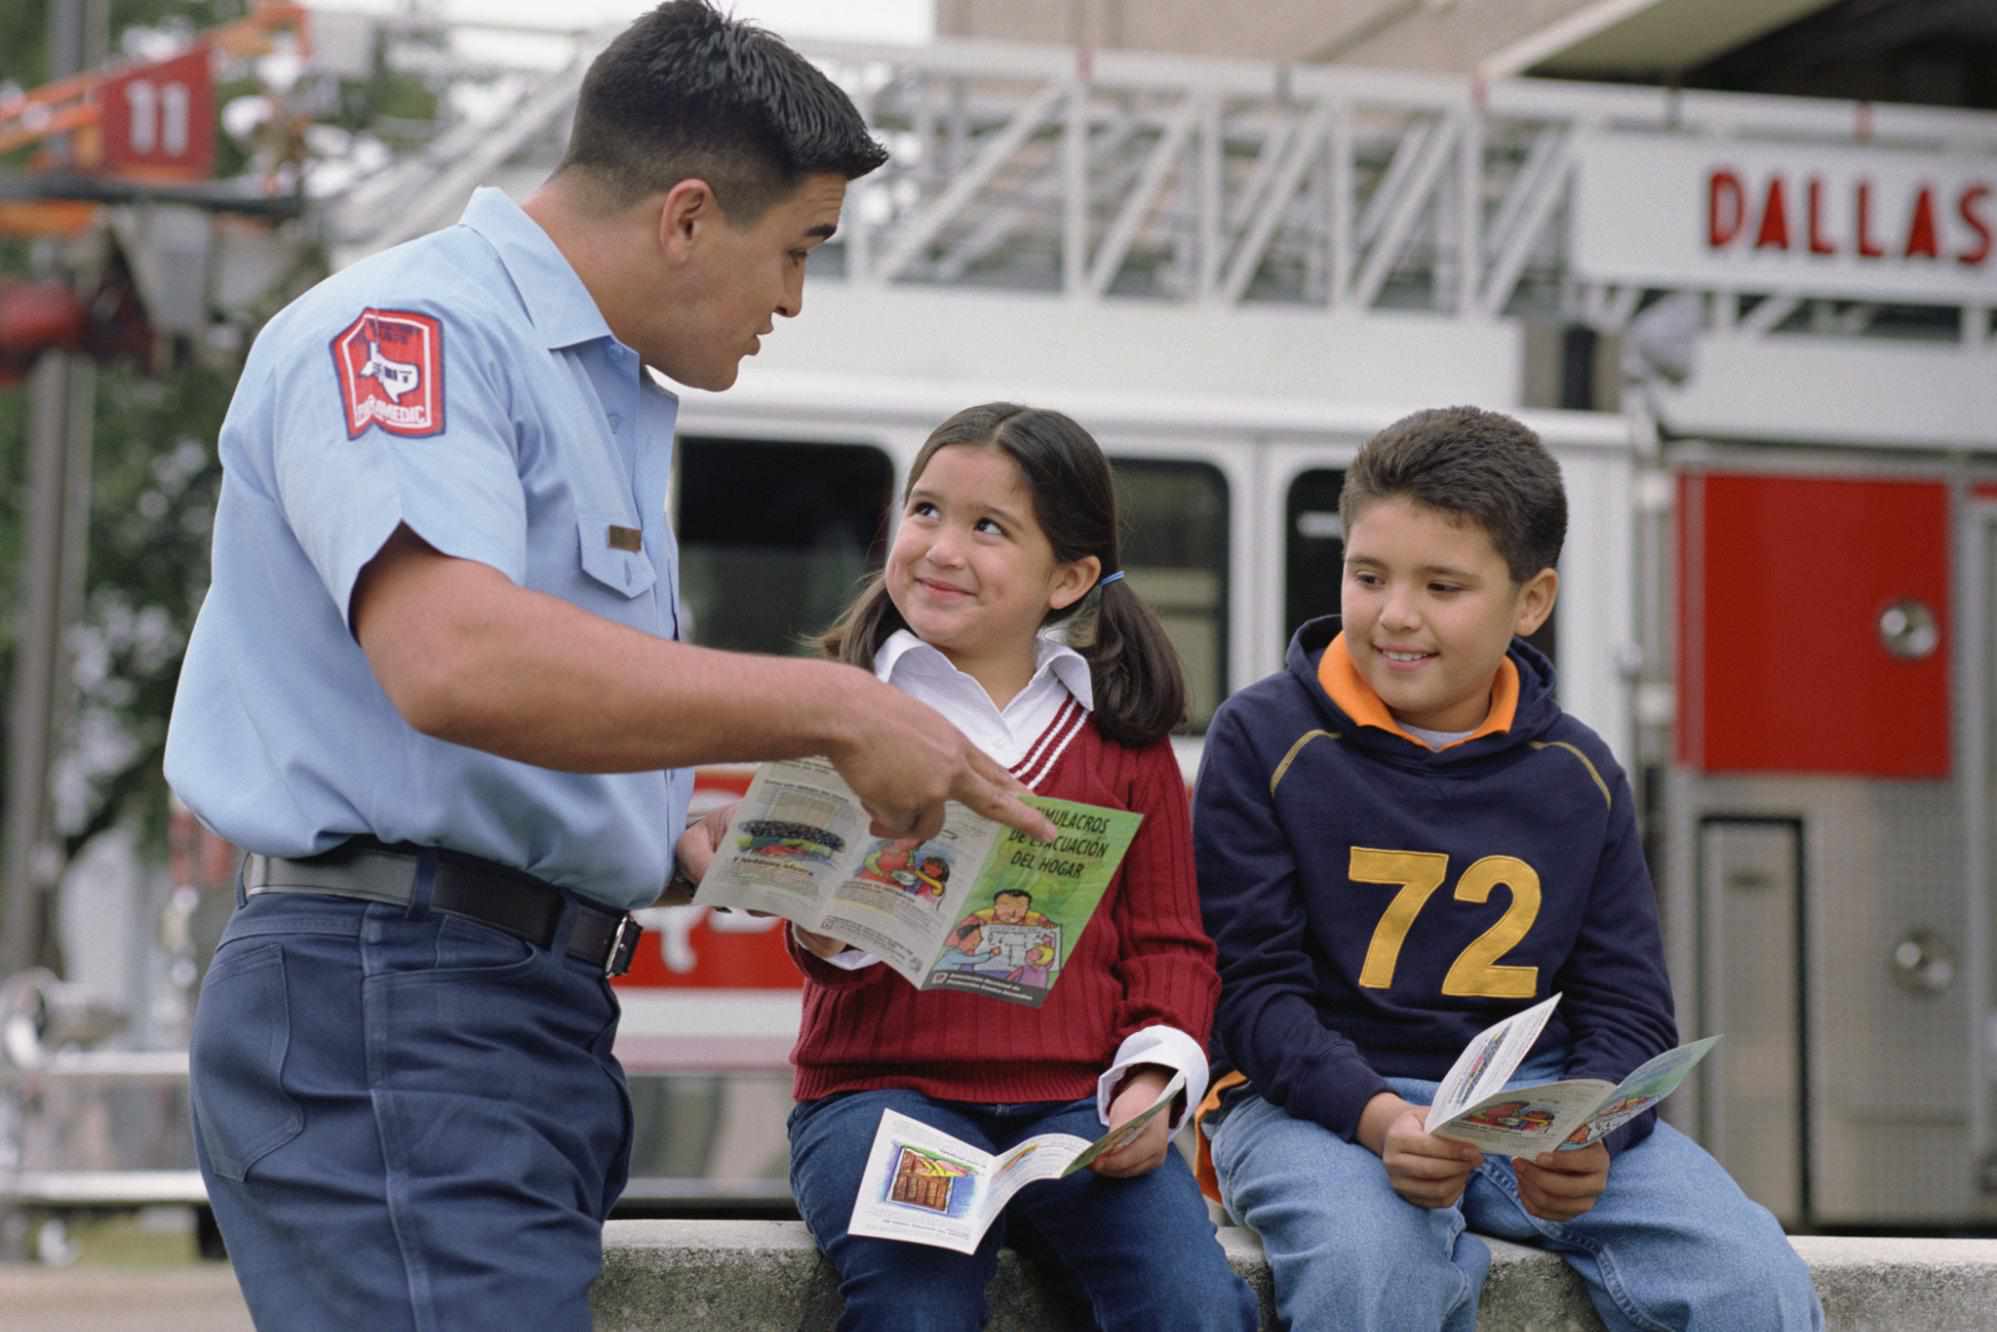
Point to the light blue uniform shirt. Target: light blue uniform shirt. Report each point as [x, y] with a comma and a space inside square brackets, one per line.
[465, 384]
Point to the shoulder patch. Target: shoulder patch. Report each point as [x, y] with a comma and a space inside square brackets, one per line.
[391, 369]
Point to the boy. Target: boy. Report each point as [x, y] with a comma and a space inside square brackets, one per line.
[1412, 745]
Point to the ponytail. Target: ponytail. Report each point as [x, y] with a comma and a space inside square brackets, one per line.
[869, 621]
[1140, 688]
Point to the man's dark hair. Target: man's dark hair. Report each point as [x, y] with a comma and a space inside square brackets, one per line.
[686, 92]
[1484, 466]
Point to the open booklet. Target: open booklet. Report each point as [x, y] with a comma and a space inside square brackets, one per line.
[1473, 1105]
[978, 907]
[926, 1187]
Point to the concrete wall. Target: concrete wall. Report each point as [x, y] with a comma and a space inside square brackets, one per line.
[706, 1276]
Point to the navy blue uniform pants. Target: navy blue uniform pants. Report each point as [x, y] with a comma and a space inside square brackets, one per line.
[406, 1119]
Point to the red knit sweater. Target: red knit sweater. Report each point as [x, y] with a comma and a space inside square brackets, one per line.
[1143, 960]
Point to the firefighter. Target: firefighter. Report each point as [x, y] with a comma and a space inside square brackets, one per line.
[435, 692]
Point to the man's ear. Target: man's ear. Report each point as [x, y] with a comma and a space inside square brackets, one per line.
[689, 208]
[1536, 599]
[1072, 582]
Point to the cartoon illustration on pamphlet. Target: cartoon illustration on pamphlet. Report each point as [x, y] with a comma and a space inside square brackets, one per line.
[923, 1186]
[922, 872]
[931, 1181]
[1008, 938]
[1473, 1104]
[776, 837]
[1486, 1047]
[1518, 1116]
[1642, 1089]
[975, 906]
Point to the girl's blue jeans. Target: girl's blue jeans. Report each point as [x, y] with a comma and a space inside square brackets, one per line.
[1672, 1243]
[1142, 1251]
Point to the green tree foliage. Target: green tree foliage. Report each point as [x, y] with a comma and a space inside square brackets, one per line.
[154, 481]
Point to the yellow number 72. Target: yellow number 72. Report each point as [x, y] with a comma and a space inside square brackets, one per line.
[1476, 971]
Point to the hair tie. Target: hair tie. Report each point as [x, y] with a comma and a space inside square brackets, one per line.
[1107, 579]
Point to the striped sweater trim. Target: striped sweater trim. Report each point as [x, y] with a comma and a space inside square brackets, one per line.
[1045, 752]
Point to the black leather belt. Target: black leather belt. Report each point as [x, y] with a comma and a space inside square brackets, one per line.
[480, 890]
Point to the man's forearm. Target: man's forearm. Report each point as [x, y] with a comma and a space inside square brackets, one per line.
[468, 656]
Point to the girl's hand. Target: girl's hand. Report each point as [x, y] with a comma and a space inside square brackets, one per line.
[1145, 1152]
[1559, 1186]
[818, 945]
[695, 851]
[1426, 1170]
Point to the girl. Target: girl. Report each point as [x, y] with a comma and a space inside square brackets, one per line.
[1002, 605]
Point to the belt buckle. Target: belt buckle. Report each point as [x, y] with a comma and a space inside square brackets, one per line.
[622, 945]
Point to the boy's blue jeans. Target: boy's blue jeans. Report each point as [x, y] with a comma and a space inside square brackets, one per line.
[1141, 1250]
[1672, 1242]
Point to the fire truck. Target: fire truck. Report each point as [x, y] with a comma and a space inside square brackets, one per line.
[1756, 332]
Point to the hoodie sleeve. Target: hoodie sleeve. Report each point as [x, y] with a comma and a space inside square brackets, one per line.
[1267, 1023]
[1616, 995]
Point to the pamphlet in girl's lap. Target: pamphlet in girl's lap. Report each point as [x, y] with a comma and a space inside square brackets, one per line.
[926, 1187]
[1473, 1105]
[978, 907]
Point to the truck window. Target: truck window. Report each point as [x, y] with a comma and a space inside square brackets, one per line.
[775, 536]
[1176, 553]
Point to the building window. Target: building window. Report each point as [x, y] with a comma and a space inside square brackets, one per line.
[1176, 553]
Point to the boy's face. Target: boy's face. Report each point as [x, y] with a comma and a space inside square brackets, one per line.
[1429, 609]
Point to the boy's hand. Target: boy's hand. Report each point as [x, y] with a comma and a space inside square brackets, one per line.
[1145, 1152]
[1426, 1170]
[1559, 1186]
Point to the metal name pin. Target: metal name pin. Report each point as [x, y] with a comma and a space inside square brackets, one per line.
[626, 538]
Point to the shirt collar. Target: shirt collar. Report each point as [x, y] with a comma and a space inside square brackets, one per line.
[905, 651]
[1349, 690]
[557, 302]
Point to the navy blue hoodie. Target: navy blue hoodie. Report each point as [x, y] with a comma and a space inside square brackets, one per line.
[1377, 903]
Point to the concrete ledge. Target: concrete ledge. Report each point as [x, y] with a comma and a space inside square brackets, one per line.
[715, 1276]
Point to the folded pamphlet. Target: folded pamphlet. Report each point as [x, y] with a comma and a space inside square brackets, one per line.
[924, 1186]
[1473, 1105]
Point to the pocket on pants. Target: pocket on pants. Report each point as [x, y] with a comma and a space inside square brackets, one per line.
[242, 1033]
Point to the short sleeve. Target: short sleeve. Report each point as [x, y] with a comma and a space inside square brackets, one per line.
[395, 412]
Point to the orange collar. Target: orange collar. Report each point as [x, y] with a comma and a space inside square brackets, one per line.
[1349, 690]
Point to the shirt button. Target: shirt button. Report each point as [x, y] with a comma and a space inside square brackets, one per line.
[616, 422]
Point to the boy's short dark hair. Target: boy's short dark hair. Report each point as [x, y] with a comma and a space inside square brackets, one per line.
[686, 92]
[1485, 466]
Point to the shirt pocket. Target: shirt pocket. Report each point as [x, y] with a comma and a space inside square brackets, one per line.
[625, 572]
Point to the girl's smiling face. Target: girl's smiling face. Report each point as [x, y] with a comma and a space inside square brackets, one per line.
[972, 572]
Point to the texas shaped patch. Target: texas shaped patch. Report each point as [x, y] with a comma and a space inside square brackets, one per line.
[391, 368]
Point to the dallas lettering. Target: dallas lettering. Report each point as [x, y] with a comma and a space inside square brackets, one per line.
[1795, 217]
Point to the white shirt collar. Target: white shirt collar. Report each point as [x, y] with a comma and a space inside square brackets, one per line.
[1051, 656]
[1009, 734]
